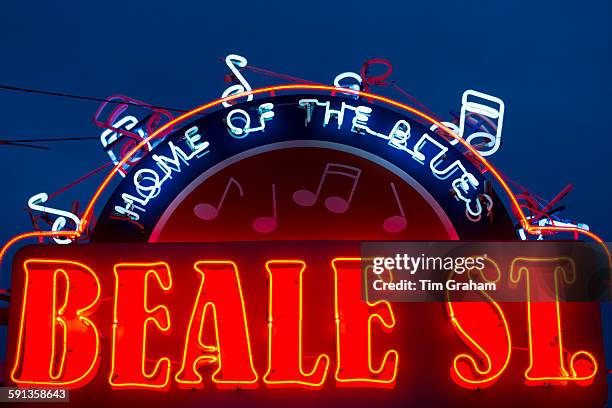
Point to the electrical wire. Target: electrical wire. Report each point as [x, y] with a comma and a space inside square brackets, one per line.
[546, 204]
[83, 97]
[16, 144]
[80, 179]
[52, 139]
[28, 142]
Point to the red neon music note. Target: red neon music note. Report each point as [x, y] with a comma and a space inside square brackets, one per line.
[395, 223]
[335, 204]
[207, 211]
[267, 224]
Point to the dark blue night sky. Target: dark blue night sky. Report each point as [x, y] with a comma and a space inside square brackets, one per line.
[550, 61]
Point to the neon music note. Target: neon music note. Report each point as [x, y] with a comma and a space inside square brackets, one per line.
[335, 204]
[267, 224]
[207, 211]
[395, 223]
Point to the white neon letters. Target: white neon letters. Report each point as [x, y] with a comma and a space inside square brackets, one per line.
[148, 181]
[238, 121]
[425, 149]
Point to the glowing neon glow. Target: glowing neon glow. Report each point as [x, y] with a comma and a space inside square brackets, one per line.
[160, 132]
[59, 345]
[354, 321]
[285, 358]
[547, 356]
[232, 61]
[60, 223]
[472, 102]
[398, 138]
[356, 85]
[265, 111]
[110, 140]
[149, 183]
[484, 328]
[45, 325]
[221, 294]
[132, 318]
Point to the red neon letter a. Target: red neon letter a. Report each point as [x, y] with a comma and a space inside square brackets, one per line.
[221, 295]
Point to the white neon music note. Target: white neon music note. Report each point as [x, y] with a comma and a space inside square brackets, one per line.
[335, 204]
[60, 222]
[207, 211]
[395, 223]
[491, 109]
[356, 86]
[232, 62]
[266, 224]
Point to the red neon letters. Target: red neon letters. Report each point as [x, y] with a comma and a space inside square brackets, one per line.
[285, 358]
[59, 296]
[548, 360]
[58, 343]
[220, 295]
[484, 329]
[133, 317]
[353, 336]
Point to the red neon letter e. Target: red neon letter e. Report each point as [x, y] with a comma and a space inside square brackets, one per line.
[354, 318]
[132, 319]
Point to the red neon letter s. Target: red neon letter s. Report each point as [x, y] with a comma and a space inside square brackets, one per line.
[547, 357]
[285, 357]
[354, 319]
[221, 294]
[58, 298]
[483, 328]
[132, 318]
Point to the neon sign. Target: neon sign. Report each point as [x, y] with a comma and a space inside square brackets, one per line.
[148, 182]
[151, 341]
[265, 112]
[398, 138]
[145, 327]
[35, 203]
[456, 183]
